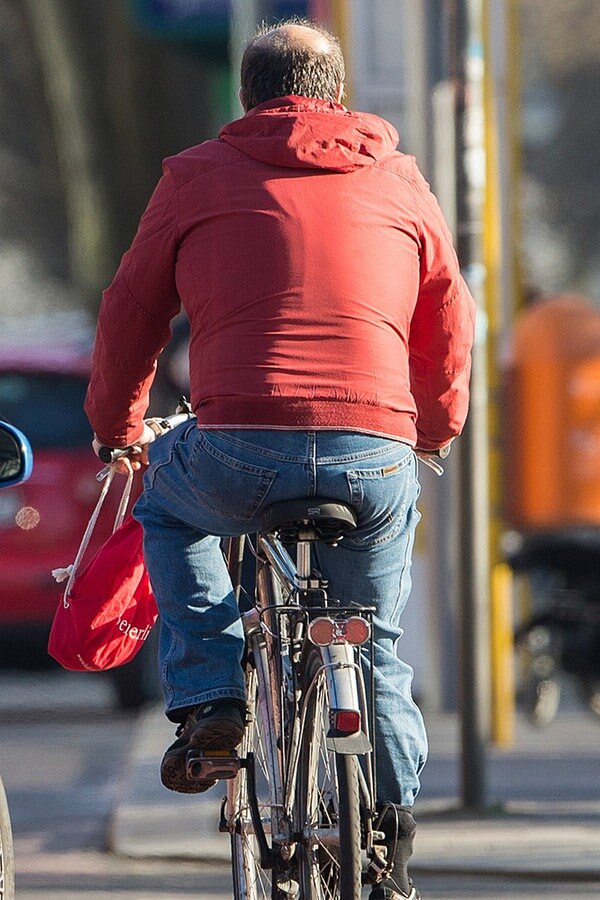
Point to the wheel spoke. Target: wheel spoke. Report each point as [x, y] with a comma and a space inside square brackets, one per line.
[251, 881]
[329, 854]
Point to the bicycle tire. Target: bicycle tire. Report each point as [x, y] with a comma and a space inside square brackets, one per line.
[7, 859]
[251, 880]
[249, 883]
[327, 800]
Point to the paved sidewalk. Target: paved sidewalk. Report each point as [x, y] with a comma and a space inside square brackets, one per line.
[543, 818]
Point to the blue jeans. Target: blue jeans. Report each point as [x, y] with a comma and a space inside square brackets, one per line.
[205, 484]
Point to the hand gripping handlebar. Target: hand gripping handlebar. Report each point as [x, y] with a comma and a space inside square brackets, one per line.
[183, 412]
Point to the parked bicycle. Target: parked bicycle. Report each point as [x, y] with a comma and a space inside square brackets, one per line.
[16, 461]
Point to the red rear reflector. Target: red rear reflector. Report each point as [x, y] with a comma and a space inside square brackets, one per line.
[321, 632]
[346, 721]
[357, 630]
[324, 631]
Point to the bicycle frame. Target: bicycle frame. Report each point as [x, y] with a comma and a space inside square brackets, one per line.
[343, 674]
[275, 629]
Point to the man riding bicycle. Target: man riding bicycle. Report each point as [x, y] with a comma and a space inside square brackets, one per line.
[330, 337]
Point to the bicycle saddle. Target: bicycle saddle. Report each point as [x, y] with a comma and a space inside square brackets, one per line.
[318, 518]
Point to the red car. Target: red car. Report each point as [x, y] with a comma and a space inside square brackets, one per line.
[42, 389]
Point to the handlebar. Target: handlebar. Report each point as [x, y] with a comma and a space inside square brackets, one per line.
[431, 457]
[110, 455]
[183, 412]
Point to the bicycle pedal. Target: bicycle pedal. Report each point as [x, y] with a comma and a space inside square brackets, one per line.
[216, 767]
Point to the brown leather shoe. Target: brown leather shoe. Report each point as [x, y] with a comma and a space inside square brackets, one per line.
[217, 725]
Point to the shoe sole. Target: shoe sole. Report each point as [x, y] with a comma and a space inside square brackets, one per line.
[173, 776]
[215, 735]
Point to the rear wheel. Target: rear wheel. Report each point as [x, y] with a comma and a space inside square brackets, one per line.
[327, 803]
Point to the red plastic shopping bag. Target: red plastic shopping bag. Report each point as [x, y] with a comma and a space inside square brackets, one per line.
[108, 608]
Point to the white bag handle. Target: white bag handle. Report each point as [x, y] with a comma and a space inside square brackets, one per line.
[69, 572]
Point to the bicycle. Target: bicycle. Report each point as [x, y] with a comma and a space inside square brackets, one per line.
[299, 807]
[300, 803]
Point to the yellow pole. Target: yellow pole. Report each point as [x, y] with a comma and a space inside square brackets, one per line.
[340, 20]
[503, 680]
[501, 621]
[341, 25]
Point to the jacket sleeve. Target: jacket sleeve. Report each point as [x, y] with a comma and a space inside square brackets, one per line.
[442, 330]
[134, 324]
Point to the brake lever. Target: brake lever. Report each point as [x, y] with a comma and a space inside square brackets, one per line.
[430, 461]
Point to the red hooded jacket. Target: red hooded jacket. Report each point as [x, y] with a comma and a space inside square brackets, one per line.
[318, 276]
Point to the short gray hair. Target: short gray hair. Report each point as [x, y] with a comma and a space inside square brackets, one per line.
[278, 67]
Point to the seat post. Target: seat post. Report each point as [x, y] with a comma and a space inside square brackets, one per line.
[303, 561]
[304, 521]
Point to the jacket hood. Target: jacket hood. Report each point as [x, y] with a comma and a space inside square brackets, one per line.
[308, 133]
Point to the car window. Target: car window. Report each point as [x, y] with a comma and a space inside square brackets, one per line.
[47, 407]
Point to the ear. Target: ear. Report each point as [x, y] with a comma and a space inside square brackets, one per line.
[340, 92]
[241, 99]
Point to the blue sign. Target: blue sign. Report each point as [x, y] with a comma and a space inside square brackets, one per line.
[204, 20]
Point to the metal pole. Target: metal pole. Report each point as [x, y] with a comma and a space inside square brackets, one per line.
[443, 500]
[473, 574]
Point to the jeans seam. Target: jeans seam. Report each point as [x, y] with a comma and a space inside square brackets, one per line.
[232, 463]
[259, 451]
[376, 472]
[206, 696]
[406, 560]
[157, 466]
[165, 671]
[312, 455]
[384, 449]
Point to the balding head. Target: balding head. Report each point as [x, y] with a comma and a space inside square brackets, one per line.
[296, 57]
[295, 36]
